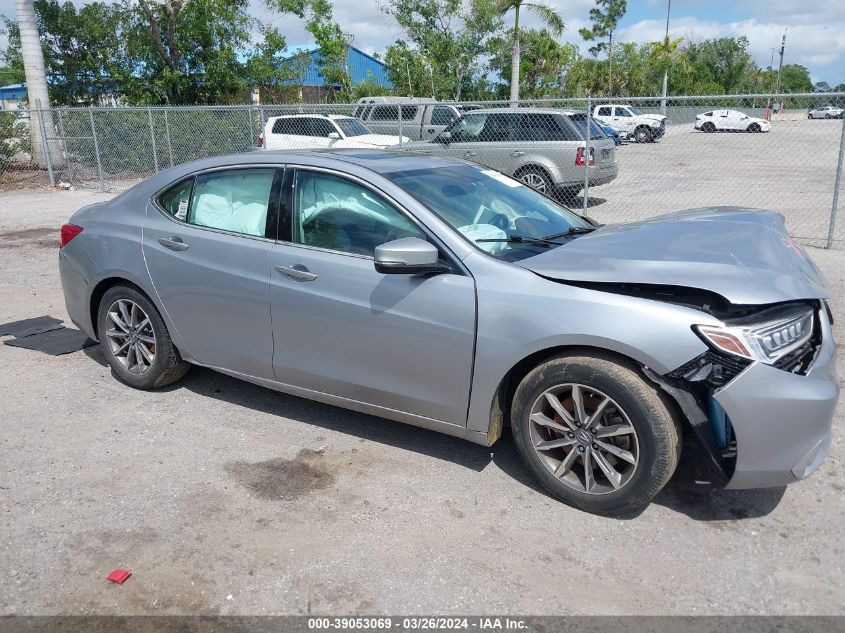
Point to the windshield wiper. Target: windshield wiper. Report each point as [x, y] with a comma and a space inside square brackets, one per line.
[572, 230]
[522, 239]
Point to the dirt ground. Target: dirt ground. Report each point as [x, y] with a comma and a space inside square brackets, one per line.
[226, 498]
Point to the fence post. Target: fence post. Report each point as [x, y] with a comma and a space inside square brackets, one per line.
[399, 106]
[96, 148]
[153, 138]
[45, 146]
[587, 156]
[836, 186]
[167, 135]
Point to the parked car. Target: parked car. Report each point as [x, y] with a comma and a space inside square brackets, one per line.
[445, 295]
[545, 149]
[730, 121]
[422, 119]
[644, 128]
[307, 131]
[618, 137]
[826, 112]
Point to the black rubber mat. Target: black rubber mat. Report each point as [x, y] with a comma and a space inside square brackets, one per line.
[27, 327]
[54, 342]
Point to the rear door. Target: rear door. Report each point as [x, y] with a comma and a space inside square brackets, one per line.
[402, 342]
[207, 243]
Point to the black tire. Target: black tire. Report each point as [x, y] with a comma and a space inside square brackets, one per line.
[643, 135]
[827, 116]
[658, 434]
[536, 178]
[754, 128]
[167, 366]
[708, 127]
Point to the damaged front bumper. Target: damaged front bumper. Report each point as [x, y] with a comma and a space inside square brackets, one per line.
[776, 424]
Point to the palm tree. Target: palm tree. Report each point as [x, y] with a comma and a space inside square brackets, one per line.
[547, 14]
[36, 81]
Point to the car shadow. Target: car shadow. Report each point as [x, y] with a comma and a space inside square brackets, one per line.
[685, 493]
[592, 201]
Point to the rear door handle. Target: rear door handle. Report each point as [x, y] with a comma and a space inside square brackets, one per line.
[471, 154]
[298, 272]
[517, 153]
[174, 243]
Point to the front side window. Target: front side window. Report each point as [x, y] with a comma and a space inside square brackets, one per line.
[442, 116]
[235, 200]
[468, 128]
[341, 215]
[623, 112]
[353, 127]
[490, 209]
[321, 127]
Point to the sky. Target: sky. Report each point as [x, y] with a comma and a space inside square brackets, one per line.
[815, 37]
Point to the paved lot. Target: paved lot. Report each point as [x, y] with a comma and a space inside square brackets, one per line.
[223, 497]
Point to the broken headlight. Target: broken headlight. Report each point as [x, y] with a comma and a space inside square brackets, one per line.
[765, 341]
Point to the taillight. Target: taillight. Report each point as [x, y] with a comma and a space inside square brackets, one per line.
[68, 232]
[261, 141]
[579, 156]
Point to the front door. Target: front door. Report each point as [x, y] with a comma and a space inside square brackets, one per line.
[208, 255]
[403, 342]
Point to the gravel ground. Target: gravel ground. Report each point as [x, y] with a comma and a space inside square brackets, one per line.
[227, 498]
[791, 169]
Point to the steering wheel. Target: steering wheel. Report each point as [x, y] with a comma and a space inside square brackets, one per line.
[500, 221]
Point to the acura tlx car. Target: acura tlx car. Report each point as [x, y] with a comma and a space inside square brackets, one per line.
[442, 294]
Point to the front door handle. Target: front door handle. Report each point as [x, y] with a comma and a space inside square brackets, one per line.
[471, 154]
[174, 243]
[517, 153]
[298, 272]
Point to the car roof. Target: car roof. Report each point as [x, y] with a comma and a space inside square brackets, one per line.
[311, 115]
[520, 111]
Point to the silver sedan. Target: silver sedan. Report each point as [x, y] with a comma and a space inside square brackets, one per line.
[445, 295]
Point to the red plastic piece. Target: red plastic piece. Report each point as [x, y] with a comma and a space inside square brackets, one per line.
[119, 576]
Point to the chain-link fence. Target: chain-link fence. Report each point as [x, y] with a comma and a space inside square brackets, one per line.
[614, 159]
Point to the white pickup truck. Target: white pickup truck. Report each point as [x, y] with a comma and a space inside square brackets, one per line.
[644, 128]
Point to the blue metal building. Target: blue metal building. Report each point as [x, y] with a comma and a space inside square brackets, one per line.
[360, 66]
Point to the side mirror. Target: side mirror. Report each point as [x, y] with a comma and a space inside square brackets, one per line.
[334, 136]
[407, 256]
[444, 137]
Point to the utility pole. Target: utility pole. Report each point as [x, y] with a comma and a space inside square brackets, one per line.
[666, 54]
[780, 65]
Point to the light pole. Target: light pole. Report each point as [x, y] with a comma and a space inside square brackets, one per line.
[665, 56]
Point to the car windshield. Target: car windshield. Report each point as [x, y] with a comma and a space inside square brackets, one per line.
[634, 111]
[353, 127]
[494, 212]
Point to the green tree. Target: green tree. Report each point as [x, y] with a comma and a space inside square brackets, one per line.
[795, 78]
[546, 13]
[333, 46]
[446, 41]
[83, 48]
[605, 17]
[543, 62]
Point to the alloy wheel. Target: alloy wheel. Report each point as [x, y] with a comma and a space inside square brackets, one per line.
[584, 438]
[535, 181]
[131, 338]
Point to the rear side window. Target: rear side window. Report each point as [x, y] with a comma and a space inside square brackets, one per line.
[235, 200]
[542, 127]
[176, 199]
[604, 111]
[385, 113]
[289, 126]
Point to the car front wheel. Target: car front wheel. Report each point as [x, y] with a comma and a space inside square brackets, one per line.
[595, 434]
[135, 340]
[643, 135]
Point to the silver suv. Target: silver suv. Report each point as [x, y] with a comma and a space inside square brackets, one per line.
[545, 149]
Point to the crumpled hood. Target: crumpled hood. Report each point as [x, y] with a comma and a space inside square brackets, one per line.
[653, 117]
[744, 255]
[376, 140]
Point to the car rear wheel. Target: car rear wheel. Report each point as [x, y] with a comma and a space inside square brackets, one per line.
[595, 434]
[536, 178]
[754, 128]
[643, 135]
[708, 127]
[135, 340]
[828, 116]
